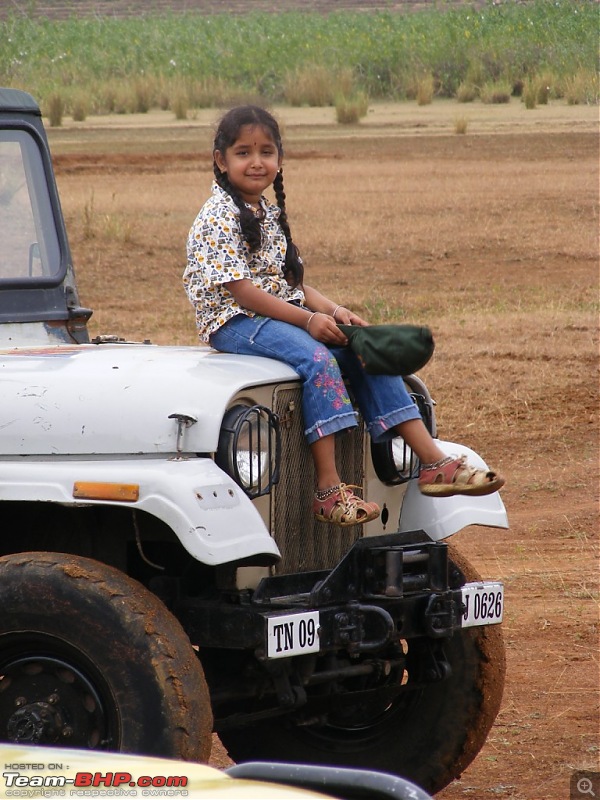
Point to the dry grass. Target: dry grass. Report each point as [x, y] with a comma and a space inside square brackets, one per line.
[318, 85]
[461, 124]
[55, 109]
[425, 90]
[351, 109]
[497, 92]
[466, 93]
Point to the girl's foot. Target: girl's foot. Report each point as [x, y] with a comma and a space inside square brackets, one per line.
[341, 506]
[452, 475]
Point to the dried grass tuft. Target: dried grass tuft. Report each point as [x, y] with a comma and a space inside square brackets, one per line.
[582, 88]
[350, 110]
[466, 92]
[55, 109]
[425, 90]
[460, 125]
[318, 85]
[496, 92]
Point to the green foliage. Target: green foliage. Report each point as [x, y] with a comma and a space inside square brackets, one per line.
[136, 63]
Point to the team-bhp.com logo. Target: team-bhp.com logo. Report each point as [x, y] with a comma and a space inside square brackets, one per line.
[89, 784]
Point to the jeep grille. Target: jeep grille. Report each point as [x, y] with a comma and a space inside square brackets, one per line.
[306, 544]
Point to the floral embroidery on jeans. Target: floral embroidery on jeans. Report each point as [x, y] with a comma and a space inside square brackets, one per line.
[329, 380]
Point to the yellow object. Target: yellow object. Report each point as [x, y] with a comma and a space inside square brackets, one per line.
[42, 772]
[125, 492]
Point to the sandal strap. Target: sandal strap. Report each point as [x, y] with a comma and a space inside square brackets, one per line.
[449, 470]
[454, 475]
[344, 507]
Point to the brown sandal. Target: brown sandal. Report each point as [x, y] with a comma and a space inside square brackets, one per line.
[452, 475]
[341, 506]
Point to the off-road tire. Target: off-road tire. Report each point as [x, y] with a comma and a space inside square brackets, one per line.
[91, 659]
[428, 736]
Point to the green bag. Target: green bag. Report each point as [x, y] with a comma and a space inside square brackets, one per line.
[390, 349]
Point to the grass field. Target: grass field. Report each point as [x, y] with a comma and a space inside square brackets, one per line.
[105, 63]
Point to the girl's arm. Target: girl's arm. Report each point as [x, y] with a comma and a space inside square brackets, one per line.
[318, 302]
[319, 324]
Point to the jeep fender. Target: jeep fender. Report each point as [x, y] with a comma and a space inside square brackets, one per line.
[212, 517]
[441, 517]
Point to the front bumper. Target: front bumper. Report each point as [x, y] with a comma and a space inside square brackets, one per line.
[386, 588]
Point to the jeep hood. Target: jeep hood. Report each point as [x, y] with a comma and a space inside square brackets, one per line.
[117, 398]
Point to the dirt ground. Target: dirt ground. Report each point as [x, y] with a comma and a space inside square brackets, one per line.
[489, 237]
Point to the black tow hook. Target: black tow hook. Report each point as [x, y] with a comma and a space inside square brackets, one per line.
[440, 615]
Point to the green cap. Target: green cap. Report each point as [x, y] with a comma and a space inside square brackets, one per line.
[390, 349]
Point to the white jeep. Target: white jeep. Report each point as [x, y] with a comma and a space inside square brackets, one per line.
[161, 573]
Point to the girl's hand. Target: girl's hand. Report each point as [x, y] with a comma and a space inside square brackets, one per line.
[323, 328]
[347, 317]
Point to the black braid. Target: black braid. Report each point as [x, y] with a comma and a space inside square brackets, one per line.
[249, 223]
[294, 269]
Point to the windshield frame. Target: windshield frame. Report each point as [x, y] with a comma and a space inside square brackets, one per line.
[46, 216]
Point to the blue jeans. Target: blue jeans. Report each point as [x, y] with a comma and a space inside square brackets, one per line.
[382, 399]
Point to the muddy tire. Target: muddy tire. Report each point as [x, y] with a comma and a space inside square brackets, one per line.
[428, 736]
[90, 659]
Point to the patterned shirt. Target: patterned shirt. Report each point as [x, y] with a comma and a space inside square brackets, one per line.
[218, 254]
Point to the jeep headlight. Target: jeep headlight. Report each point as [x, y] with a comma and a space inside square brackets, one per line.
[249, 448]
[394, 461]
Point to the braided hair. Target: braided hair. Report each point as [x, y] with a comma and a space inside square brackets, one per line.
[227, 134]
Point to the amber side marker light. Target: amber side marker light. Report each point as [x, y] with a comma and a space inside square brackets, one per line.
[125, 492]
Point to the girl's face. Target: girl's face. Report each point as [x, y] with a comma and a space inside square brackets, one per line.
[251, 163]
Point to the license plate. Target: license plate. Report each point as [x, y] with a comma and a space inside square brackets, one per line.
[484, 603]
[293, 634]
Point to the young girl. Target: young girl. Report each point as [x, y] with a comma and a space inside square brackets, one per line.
[245, 278]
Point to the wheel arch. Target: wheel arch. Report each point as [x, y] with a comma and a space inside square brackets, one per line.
[129, 539]
[215, 522]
